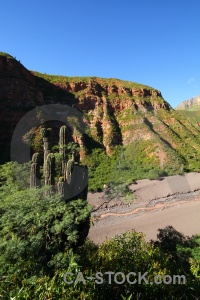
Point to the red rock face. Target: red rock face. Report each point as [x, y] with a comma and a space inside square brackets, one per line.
[76, 87]
[101, 103]
[20, 91]
[18, 84]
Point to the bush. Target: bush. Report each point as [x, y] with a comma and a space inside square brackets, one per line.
[126, 253]
[35, 231]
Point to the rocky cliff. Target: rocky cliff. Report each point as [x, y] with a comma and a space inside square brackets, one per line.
[21, 91]
[117, 113]
[101, 100]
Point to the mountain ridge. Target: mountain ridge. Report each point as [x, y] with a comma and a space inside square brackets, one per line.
[190, 104]
[133, 132]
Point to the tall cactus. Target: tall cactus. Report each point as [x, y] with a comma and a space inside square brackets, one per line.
[49, 169]
[69, 169]
[61, 186]
[72, 183]
[46, 133]
[62, 141]
[62, 148]
[35, 171]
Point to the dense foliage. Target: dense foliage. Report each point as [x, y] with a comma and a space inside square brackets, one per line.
[42, 238]
[36, 231]
[126, 253]
[127, 164]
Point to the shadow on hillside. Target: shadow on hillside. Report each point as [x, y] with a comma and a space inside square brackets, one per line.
[13, 110]
[149, 124]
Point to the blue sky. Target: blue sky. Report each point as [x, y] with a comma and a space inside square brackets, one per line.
[153, 42]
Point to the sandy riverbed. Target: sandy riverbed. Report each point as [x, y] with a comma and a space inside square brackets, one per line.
[174, 200]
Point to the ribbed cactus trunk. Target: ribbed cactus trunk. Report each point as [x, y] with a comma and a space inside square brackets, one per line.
[62, 149]
[35, 171]
[46, 133]
[69, 169]
[49, 168]
[61, 187]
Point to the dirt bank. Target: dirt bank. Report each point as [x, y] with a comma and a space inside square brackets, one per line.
[174, 200]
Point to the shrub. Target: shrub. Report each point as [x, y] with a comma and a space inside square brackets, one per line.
[35, 231]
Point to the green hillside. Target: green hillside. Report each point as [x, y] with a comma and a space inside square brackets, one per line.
[132, 132]
[193, 115]
[144, 142]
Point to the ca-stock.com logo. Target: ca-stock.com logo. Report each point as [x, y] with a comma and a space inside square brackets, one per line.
[64, 114]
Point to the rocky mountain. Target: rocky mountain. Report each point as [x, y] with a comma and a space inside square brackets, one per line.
[132, 131]
[191, 104]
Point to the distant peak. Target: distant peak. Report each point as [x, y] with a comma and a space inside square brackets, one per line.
[190, 104]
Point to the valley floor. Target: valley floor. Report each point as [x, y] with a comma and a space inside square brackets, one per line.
[174, 201]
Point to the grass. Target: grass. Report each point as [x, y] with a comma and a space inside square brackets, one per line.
[193, 116]
[103, 81]
[6, 55]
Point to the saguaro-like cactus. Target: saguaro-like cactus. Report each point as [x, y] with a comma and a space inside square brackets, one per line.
[69, 169]
[62, 148]
[35, 171]
[73, 180]
[46, 133]
[61, 186]
[49, 169]
[62, 141]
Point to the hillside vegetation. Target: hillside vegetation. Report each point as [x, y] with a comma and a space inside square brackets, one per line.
[131, 131]
[43, 238]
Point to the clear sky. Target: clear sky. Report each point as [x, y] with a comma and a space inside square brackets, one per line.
[153, 42]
